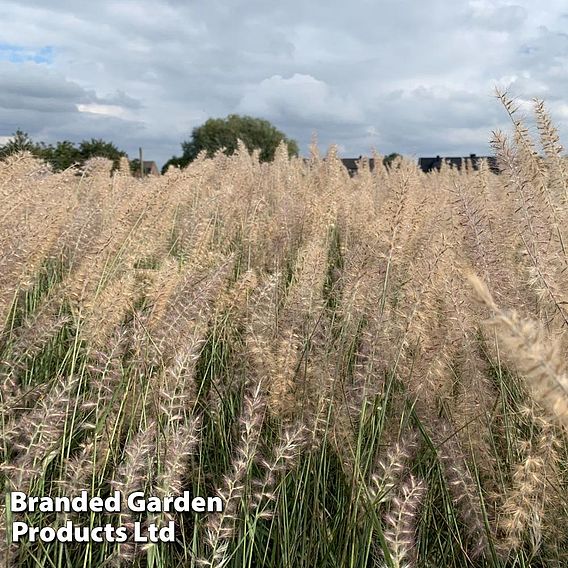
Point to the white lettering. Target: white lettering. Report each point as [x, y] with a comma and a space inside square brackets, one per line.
[136, 502]
[214, 504]
[198, 504]
[18, 502]
[112, 503]
[18, 529]
[138, 536]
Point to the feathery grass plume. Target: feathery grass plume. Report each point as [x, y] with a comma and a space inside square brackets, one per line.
[476, 229]
[98, 166]
[233, 303]
[547, 444]
[135, 473]
[463, 489]
[29, 231]
[24, 343]
[285, 456]
[11, 170]
[8, 549]
[555, 163]
[80, 236]
[363, 286]
[35, 438]
[282, 398]
[531, 166]
[543, 217]
[190, 306]
[177, 445]
[138, 231]
[103, 413]
[16, 173]
[422, 215]
[271, 354]
[473, 393]
[536, 355]
[298, 323]
[106, 369]
[402, 254]
[79, 469]
[364, 178]
[393, 468]
[175, 386]
[522, 510]
[124, 167]
[32, 335]
[10, 395]
[174, 394]
[193, 231]
[107, 309]
[220, 527]
[158, 288]
[421, 358]
[402, 521]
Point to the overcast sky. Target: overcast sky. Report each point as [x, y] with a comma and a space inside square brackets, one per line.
[409, 76]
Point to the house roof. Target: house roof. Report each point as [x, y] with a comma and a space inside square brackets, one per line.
[429, 164]
[352, 163]
[150, 167]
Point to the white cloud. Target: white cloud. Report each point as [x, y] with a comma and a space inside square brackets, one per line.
[106, 110]
[404, 75]
[299, 97]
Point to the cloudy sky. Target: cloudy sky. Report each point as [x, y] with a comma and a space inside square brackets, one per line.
[396, 75]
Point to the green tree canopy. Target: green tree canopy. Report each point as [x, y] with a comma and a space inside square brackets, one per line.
[388, 160]
[175, 161]
[96, 147]
[223, 134]
[61, 156]
[64, 154]
[20, 142]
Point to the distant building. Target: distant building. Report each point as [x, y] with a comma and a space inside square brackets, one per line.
[149, 168]
[351, 164]
[426, 164]
[430, 164]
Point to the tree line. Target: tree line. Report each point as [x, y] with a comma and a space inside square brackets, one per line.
[213, 135]
[62, 155]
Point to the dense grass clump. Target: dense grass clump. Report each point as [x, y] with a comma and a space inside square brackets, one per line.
[368, 371]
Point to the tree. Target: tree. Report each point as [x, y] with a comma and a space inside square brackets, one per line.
[388, 160]
[223, 134]
[134, 166]
[61, 156]
[20, 142]
[178, 162]
[96, 147]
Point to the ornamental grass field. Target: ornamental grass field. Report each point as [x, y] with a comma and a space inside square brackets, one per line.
[368, 371]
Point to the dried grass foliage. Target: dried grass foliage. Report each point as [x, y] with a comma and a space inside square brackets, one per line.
[272, 317]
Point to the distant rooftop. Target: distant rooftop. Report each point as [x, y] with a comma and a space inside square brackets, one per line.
[149, 167]
[430, 164]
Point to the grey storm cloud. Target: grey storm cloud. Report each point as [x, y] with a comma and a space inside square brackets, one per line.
[397, 75]
[29, 81]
